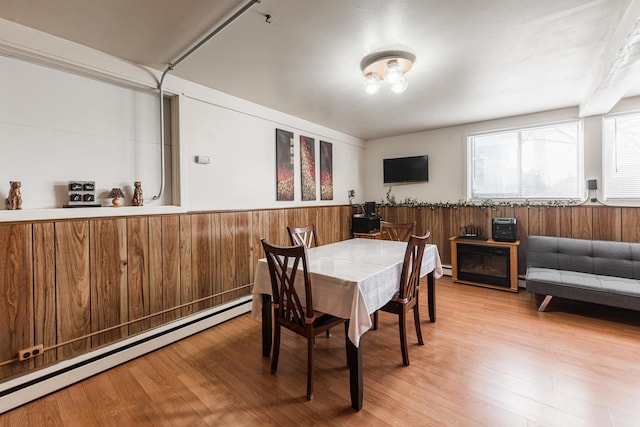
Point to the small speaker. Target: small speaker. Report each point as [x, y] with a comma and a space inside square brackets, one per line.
[504, 229]
[592, 184]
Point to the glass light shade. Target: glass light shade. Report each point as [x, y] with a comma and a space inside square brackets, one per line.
[393, 72]
[400, 86]
[371, 83]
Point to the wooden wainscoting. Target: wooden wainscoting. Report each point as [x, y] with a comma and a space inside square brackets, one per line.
[76, 285]
[583, 222]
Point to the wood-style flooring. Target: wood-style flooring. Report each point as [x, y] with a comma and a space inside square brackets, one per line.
[491, 359]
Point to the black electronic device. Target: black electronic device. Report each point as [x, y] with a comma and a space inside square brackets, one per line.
[406, 169]
[370, 208]
[504, 229]
[365, 224]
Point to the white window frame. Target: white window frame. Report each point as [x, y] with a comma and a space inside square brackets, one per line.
[605, 156]
[580, 192]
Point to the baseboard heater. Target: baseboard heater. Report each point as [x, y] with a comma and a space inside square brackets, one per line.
[37, 384]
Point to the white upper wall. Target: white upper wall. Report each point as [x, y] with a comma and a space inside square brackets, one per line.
[243, 159]
[447, 151]
[58, 126]
[238, 135]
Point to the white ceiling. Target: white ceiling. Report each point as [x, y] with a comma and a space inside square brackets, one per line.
[476, 59]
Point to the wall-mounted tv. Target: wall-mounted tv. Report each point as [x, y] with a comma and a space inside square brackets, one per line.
[406, 169]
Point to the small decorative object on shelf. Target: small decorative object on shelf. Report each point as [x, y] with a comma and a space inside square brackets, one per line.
[137, 194]
[82, 194]
[14, 201]
[116, 193]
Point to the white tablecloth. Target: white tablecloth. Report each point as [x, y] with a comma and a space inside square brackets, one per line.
[351, 279]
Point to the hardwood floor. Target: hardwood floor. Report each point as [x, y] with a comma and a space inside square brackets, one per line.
[490, 359]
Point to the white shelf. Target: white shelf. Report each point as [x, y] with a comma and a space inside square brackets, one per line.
[104, 211]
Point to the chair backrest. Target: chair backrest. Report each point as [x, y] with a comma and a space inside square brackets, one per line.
[305, 236]
[284, 263]
[397, 231]
[410, 277]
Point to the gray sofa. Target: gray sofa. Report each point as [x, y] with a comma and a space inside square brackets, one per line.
[595, 271]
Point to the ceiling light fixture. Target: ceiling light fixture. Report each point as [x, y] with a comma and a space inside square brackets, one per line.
[390, 66]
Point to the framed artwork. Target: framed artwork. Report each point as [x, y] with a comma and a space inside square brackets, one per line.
[326, 170]
[284, 165]
[308, 167]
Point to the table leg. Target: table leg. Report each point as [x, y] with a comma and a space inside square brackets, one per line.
[431, 295]
[354, 361]
[266, 325]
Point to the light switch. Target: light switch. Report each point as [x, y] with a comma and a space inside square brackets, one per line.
[203, 160]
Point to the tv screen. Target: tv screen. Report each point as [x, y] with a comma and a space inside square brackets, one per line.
[406, 169]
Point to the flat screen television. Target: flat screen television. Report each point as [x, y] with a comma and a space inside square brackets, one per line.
[406, 169]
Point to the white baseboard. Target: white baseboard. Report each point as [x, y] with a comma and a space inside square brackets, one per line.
[34, 385]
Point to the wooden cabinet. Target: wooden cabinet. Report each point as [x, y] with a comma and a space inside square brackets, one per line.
[485, 263]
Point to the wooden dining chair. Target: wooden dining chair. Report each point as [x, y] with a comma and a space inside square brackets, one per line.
[305, 236]
[397, 231]
[290, 309]
[407, 297]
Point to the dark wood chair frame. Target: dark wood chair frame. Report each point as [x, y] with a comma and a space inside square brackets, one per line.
[289, 310]
[308, 237]
[408, 296]
[305, 236]
[397, 231]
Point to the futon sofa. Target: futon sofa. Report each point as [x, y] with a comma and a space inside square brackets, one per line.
[596, 271]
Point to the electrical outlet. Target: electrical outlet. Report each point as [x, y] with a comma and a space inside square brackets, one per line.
[352, 193]
[30, 352]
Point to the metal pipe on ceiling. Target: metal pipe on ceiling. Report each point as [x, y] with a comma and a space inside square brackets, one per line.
[172, 65]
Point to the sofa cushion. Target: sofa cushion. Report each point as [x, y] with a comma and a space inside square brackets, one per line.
[620, 259]
[602, 272]
[579, 280]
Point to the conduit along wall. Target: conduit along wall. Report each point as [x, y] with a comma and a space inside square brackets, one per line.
[177, 62]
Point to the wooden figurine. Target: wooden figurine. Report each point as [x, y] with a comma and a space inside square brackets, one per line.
[14, 201]
[137, 194]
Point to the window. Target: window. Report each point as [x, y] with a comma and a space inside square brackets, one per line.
[621, 156]
[529, 163]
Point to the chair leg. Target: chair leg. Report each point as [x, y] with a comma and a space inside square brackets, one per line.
[310, 344]
[375, 320]
[402, 323]
[416, 320]
[276, 348]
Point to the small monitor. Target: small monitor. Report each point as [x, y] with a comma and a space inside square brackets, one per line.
[370, 208]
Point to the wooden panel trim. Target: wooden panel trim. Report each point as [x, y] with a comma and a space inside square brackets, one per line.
[169, 265]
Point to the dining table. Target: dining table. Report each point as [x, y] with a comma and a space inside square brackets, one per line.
[350, 279]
